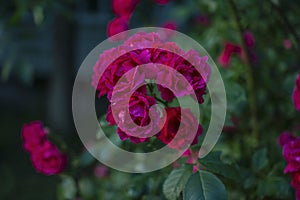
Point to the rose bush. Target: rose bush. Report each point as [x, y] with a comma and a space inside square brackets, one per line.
[261, 76]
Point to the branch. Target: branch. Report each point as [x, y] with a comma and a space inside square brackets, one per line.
[248, 70]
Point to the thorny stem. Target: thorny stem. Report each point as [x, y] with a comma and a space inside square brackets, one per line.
[248, 72]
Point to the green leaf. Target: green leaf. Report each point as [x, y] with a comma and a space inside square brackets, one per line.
[274, 187]
[67, 188]
[204, 185]
[86, 159]
[259, 159]
[175, 182]
[212, 162]
[87, 188]
[38, 15]
[236, 96]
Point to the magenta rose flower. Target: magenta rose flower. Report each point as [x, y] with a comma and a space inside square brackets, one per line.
[287, 44]
[295, 182]
[195, 70]
[118, 25]
[47, 159]
[112, 73]
[170, 25]
[228, 50]
[291, 153]
[249, 39]
[285, 138]
[171, 126]
[101, 171]
[149, 55]
[296, 94]
[124, 7]
[139, 106]
[33, 135]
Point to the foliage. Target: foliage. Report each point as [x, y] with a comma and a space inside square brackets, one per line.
[247, 162]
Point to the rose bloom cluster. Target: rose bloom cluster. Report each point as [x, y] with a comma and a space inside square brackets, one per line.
[291, 153]
[291, 146]
[45, 156]
[296, 94]
[108, 72]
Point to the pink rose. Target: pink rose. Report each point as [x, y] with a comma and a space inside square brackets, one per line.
[228, 50]
[118, 25]
[296, 94]
[47, 159]
[249, 39]
[171, 126]
[170, 25]
[291, 153]
[139, 106]
[33, 135]
[124, 7]
[285, 138]
[101, 171]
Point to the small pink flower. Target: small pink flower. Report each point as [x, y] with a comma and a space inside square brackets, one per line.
[192, 156]
[170, 25]
[47, 159]
[124, 7]
[202, 20]
[101, 171]
[228, 50]
[116, 26]
[196, 167]
[291, 153]
[33, 135]
[162, 2]
[287, 44]
[296, 94]
[249, 39]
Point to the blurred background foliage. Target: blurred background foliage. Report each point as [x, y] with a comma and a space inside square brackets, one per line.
[42, 44]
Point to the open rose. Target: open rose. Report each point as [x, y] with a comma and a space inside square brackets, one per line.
[124, 7]
[118, 25]
[139, 106]
[296, 94]
[285, 138]
[171, 126]
[33, 135]
[47, 159]
[291, 153]
[45, 156]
